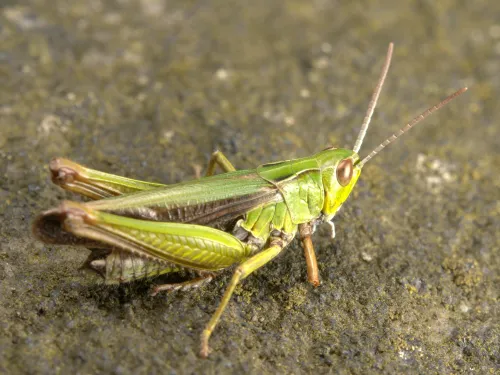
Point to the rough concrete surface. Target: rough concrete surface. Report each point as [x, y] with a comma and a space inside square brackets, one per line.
[148, 89]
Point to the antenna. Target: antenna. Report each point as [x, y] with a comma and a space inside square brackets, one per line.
[373, 101]
[412, 123]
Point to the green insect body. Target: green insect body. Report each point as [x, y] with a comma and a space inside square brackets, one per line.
[138, 229]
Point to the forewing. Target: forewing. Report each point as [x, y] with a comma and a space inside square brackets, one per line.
[205, 201]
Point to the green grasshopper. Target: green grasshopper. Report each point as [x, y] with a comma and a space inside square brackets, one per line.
[138, 229]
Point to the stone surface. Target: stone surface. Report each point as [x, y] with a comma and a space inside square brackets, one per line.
[148, 89]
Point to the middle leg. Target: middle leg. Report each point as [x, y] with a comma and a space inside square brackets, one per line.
[218, 158]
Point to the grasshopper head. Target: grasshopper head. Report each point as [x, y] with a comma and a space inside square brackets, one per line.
[339, 172]
[340, 168]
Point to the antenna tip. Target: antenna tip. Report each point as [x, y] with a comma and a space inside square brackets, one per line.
[460, 92]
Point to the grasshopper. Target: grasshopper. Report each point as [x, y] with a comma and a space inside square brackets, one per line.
[138, 229]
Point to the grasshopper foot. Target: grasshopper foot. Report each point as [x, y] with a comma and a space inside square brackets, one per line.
[315, 283]
[205, 350]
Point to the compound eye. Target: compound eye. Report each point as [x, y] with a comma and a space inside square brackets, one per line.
[344, 172]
